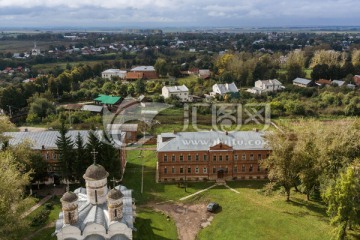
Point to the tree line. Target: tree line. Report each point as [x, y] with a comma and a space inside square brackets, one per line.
[319, 159]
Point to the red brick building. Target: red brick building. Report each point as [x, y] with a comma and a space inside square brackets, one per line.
[44, 142]
[146, 72]
[198, 156]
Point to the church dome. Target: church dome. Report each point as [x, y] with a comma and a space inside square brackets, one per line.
[69, 197]
[115, 194]
[95, 172]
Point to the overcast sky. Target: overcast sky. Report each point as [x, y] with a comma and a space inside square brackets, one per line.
[162, 13]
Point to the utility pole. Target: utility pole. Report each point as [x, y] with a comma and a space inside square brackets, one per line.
[185, 176]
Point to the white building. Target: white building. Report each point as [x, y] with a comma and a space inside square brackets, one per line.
[182, 92]
[96, 212]
[35, 51]
[113, 73]
[223, 89]
[263, 86]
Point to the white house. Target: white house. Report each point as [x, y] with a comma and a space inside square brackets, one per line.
[262, 86]
[223, 89]
[182, 92]
[113, 73]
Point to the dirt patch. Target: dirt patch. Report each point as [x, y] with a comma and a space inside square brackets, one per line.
[189, 218]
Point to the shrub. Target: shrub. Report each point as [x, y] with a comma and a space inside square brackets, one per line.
[40, 218]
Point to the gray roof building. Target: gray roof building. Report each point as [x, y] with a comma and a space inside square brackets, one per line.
[202, 141]
[143, 69]
[224, 88]
[92, 108]
[47, 139]
[301, 82]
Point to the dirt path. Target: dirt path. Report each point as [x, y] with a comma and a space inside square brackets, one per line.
[189, 218]
[33, 208]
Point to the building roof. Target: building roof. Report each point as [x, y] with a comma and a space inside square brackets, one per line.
[114, 71]
[95, 172]
[323, 82]
[227, 87]
[123, 127]
[92, 108]
[69, 197]
[89, 213]
[143, 69]
[271, 82]
[202, 141]
[106, 99]
[338, 82]
[43, 139]
[47, 139]
[175, 89]
[114, 194]
[302, 81]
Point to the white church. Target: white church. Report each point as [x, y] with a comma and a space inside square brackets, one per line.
[96, 212]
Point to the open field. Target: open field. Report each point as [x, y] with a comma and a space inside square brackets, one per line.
[27, 45]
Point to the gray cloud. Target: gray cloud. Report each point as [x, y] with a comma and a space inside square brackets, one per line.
[117, 13]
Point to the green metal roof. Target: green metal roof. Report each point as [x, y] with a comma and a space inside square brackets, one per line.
[105, 99]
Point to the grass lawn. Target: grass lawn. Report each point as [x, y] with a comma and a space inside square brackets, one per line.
[251, 215]
[153, 225]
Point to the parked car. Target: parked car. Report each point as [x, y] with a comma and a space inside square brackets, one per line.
[213, 206]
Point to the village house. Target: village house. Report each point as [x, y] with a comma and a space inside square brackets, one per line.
[182, 92]
[222, 89]
[96, 211]
[44, 142]
[302, 82]
[265, 86]
[109, 101]
[210, 155]
[147, 72]
[130, 130]
[323, 82]
[204, 73]
[357, 80]
[110, 73]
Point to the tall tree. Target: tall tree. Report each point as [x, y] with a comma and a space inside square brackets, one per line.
[343, 200]
[12, 201]
[82, 158]
[283, 167]
[65, 147]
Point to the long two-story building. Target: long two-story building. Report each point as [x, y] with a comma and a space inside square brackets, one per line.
[211, 155]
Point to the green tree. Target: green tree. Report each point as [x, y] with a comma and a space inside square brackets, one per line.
[293, 71]
[307, 155]
[283, 166]
[82, 158]
[13, 202]
[161, 67]
[39, 109]
[343, 200]
[65, 147]
[139, 87]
